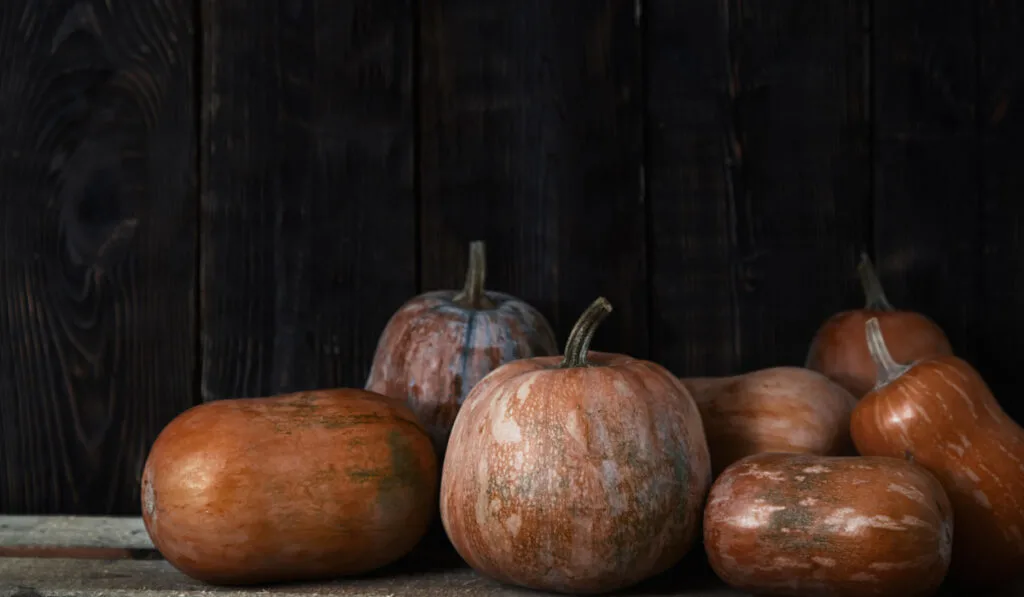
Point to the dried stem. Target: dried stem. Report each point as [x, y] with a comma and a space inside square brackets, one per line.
[874, 294]
[472, 295]
[578, 345]
[888, 369]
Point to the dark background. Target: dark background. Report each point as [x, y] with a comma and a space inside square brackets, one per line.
[206, 199]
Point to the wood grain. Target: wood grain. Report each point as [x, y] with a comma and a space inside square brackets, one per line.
[692, 158]
[925, 166]
[421, 574]
[531, 140]
[801, 192]
[97, 246]
[307, 204]
[114, 532]
[1001, 116]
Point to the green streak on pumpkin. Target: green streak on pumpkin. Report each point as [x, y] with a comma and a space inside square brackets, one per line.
[404, 474]
[343, 421]
[364, 475]
[796, 529]
[405, 470]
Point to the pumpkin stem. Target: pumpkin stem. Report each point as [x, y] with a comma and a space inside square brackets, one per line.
[578, 345]
[472, 295]
[888, 368]
[874, 294]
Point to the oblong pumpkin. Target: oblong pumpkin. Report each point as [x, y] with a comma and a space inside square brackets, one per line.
[301, 486]
[804, 525]
[439, 344]
[581, 474]
[778, 409]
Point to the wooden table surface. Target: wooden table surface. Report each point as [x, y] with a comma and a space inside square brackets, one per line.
[52, 577]
[114, 556]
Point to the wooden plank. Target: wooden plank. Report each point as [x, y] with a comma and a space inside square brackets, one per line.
[926, 176]
[74, 531]
[800, 181]
[90, 578]
[308, 204]
[692, 156]
[531, 118]
[1001, 115]
[97, 246]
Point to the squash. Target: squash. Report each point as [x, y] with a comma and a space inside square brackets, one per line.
[805, 525]
[301, 486]
[839, 349]
[581, 474]
[439, 344]
[940, 412]
[779, 409]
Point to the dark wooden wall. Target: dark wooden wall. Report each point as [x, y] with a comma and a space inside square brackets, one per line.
[206, 199]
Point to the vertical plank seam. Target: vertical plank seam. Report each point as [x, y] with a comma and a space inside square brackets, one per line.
[869, 233]
[416, 54]
[980, 285]
[201, 134]
[645, 153]
[732, 167]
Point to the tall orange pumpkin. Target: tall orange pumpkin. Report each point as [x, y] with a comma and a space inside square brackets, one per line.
[581, 474]
[940, 412]
[438, 345]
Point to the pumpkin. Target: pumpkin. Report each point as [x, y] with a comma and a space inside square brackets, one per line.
[300, 486]
[940, 412]
[839, 349]
[805, 525]
[580, 474]
[779, 409]
[438, 345]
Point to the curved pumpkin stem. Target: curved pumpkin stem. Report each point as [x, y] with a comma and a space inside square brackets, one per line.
[874, 294]
[888, 369]
[578, 345]
[472, 295]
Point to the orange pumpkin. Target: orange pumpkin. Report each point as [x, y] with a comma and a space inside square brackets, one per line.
[301, 486]
[940, 412]
[840, 351]
[441, 343]
[804, 525]
[581, 474]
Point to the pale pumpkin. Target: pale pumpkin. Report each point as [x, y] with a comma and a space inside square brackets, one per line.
[438, 345]
[580, 474]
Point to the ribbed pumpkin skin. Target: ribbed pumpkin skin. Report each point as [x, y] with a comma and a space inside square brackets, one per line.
[434, 351]
[579, 480]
